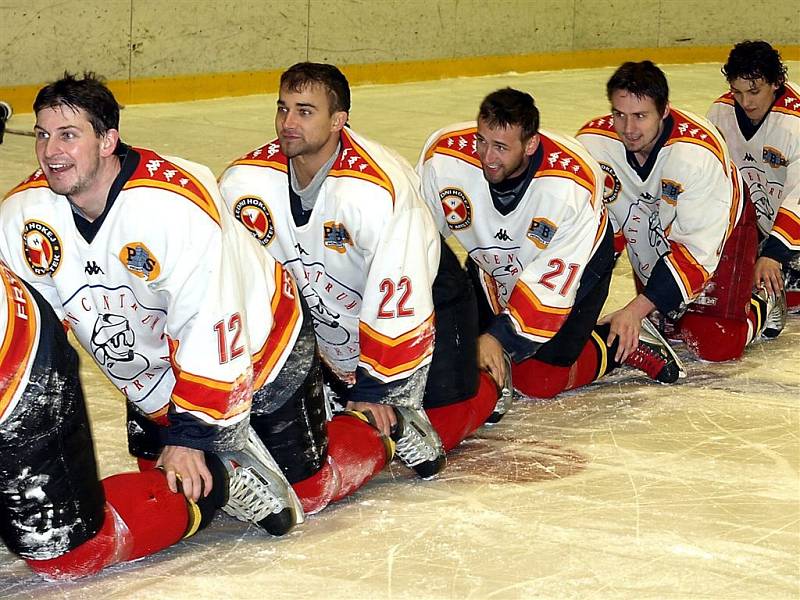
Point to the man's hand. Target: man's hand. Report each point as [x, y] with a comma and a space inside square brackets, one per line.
[189, 465]
[490, 358]
[384, 415]
[768, 274]
[625, 325]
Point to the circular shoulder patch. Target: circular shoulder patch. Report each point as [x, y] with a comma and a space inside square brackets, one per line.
[251, 212]
[457, 208]
[41, 247]
[611, 184]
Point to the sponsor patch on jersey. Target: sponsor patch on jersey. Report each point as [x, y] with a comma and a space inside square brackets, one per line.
[457, 208]
[41, 247]
[611, 184]
[773, 157]
[251, 212]
[138, 259]
[336, 237]
[670, 190]
[541, 232]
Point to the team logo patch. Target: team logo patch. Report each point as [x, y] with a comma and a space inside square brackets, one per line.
[335, 236]
[138, 259]
[611, 184]
[773, 157]
[251, 212]
[670, 190]
[457, 208]
[541, 232]
[42, 248]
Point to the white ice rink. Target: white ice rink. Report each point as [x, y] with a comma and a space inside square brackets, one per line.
[624, 489]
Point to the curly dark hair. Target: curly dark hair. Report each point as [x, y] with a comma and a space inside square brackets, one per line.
[753, 60]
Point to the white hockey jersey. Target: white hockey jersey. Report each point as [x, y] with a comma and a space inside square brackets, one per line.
[681, 213]
[172, 300]
[365, 261]
[531, 259]
[769, 162]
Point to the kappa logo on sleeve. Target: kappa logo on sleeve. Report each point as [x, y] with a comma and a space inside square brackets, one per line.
[251, 212]
[41, 247]
[541, 232]
[336, 237]
[457, 208]
[670, 190]
[138, 259]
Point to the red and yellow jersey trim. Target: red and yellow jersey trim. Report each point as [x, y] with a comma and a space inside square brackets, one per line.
[285, 314]
[459, 144]
[787, 226]
[16, 352]
[603, 125]
[736, 202]
[692, 274]
[157, 172]
[222, 400]
[725, 99]
[788, 103]
[393, 356]
[685, 129]
[532, 316]
[34, 180]
[354, 161]
[269, 156]
[560, 161]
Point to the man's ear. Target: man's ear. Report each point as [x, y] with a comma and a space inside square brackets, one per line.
[339, 120]
[532, 145]
[109, 142]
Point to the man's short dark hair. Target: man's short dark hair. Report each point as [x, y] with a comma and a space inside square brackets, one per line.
[89, 94]
[508, 107]
[300, 75]
[640, 79]
[753, 60]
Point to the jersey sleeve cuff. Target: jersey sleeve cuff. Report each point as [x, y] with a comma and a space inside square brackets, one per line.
[516, 346]
[662, 289]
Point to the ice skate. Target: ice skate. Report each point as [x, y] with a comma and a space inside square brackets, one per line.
[258, 491]
[417, 444]
[5, 114]
[655, 357]
[775, 319]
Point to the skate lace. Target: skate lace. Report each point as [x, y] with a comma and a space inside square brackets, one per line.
[647, 359]
[250, 497]
[413, 449]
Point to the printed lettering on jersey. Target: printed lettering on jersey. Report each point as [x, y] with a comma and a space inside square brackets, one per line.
[42, 248]
[138, 259]
[670, 190]
[503, 269]
[119, 330]
[541, 232]
[611, 184]
[251, 212]
[336, 237]
[457, 208]
[774, 158]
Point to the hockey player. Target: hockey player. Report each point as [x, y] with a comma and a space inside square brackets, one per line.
[200, 330]
[344, 215]
[527, 206]
[54, 512]
[760, 121]
[676, 201]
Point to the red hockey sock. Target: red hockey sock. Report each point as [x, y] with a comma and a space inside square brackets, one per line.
[145, 464]
[356, 453]
[141, 517]
[793, 301]
[714, 339]
[539, 379]
[455, 422]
